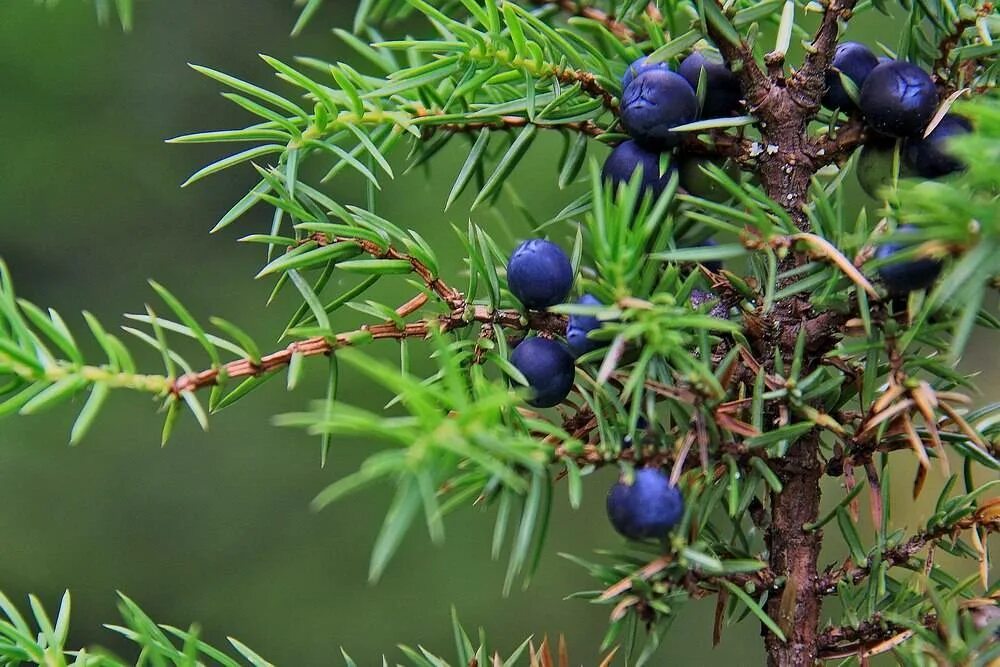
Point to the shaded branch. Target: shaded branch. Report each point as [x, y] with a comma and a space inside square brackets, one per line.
[877, 635]
[826, 150]
[951, 40]
[754, 82]
[462, 314]
[614, 26]
[986, 517]
[588, 127]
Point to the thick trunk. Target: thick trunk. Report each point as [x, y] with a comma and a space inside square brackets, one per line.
[785, 172]
[793, 554]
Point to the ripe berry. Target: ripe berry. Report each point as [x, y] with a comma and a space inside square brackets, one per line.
[853, 60]
[700, 184]
[579, 326]
[654, 102]
[874, 169]
[929, 157]
[722, 86]
[902, 277]
[898, 98]
[539, 274]
[629, 156]
[650, 507]
[639, 66]
[548, 367]
[700, 297]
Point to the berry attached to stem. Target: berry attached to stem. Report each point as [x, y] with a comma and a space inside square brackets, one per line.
[656, 101]
[539, 274]
[548, 367]
[722, 86]
[853, 60]
[929, 157]
[579, 326]
[639, 66]
[910, 275]
[648, 508]
[898, 99]
[629, 156]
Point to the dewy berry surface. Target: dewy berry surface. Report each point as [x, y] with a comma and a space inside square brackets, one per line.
[898, 99]
[656, 101]
[853, 60]
[638, 66]
[648, 508]
[929, 157]
[903, 277]
[629, 156]
[722, 86]
[578, 326]
[548, 367]
[539, 274]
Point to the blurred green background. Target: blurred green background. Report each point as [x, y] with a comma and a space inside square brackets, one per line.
[215, 528]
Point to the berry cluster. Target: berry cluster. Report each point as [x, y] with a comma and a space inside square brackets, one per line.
[540, 275]
[655, 100]
[897, 100]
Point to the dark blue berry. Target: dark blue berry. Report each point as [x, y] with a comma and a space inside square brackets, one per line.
[648, 508]
[549, 368]
[853, 60]
[656, 101]
[929, 157]
[539, 274]
[722, 86]
[638, 66]
[902, 277]
[629, 156]
[700, 297]
[579, 326]
[875, 164]
[698, 183]
[898, 99]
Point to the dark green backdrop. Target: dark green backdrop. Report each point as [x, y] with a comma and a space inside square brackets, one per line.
[215, 528]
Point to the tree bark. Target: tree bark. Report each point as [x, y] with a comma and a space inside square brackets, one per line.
[793, 554]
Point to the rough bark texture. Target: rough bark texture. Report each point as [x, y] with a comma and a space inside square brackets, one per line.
[787, 161]
[794, 554]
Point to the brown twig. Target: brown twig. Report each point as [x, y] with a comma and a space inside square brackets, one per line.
[809, 82]
[614, 26]
[877, 635]
[836, 149]
[949, 43]
[987, 517]
[587, 127]
[461, 314]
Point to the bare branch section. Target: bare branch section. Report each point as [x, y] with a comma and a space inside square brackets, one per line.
[810, 81]
[987, 517]
[462, 314]
[614, 26]
[756, 85]
[588, 127]
[875, 636]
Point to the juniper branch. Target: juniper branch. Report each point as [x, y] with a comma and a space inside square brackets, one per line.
[986, 517]
[808, 82]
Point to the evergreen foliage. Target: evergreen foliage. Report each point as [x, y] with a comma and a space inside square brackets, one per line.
[797, 366]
